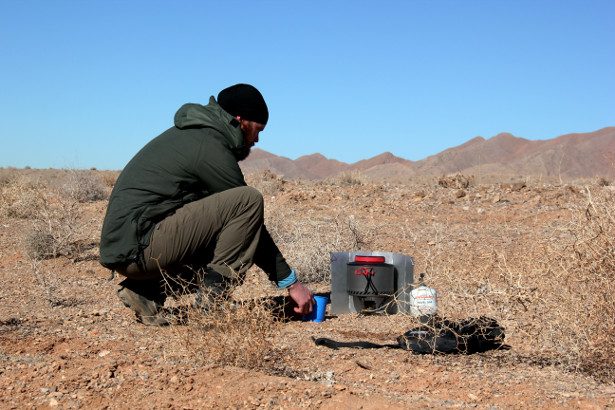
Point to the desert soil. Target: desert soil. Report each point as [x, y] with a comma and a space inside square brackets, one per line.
[87, 351]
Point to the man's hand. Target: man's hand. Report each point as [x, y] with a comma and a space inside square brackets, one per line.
[302, 296]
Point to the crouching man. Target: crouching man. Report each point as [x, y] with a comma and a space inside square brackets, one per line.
[182, 201]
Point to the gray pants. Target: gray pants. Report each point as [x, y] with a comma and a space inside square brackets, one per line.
[219, 233]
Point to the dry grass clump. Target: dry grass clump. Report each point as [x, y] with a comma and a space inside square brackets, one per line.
[20, 198]
[214, 329]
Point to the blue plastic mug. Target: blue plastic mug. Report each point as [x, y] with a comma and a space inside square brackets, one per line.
[318, 310]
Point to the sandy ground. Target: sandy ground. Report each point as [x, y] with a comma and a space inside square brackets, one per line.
[87, 351]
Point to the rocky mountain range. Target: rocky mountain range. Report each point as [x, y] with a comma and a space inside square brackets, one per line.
[585, 155]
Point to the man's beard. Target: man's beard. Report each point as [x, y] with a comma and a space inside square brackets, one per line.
[244, 154]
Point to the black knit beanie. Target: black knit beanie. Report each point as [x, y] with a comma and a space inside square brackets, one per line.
[245, 101]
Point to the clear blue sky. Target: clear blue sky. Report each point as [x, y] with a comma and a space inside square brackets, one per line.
[87, 83]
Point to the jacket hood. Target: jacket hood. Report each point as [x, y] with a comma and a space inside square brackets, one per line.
[212, 116]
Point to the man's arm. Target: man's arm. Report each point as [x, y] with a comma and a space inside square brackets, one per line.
[269, 258]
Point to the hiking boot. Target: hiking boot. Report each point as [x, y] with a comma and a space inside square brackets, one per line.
[143, 298]
[213, 289]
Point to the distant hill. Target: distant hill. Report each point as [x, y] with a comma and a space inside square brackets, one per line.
[586, 155]
[260, 159]
[320, 166]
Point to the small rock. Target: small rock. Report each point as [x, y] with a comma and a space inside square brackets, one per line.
[363, 365]
[517, 186]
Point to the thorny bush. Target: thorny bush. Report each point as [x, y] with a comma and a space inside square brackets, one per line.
[215, 329]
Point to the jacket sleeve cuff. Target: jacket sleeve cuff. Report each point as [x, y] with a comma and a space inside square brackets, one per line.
[289, 280]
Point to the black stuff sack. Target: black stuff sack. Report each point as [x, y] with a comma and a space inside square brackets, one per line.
[439, 336]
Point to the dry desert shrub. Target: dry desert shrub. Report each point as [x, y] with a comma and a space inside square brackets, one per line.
[457, 181]
[308, 241]
[7, 176]
[55, 232]
[551, 283]
[59, 228]
[216, 330]
[603, 181]
[267, 182]
[39, 244]
[50, 285]
[85, 186]
[109, 178]
[348, 178]
[564, 287]
[56, 228]
[20, 198]
[588, 264]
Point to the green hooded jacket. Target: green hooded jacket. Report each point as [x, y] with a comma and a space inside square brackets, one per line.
[195, 158]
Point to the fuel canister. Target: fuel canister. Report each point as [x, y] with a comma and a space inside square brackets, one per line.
[423, 300]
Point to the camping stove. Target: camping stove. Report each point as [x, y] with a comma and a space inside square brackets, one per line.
[370, 279]
[371, 282]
